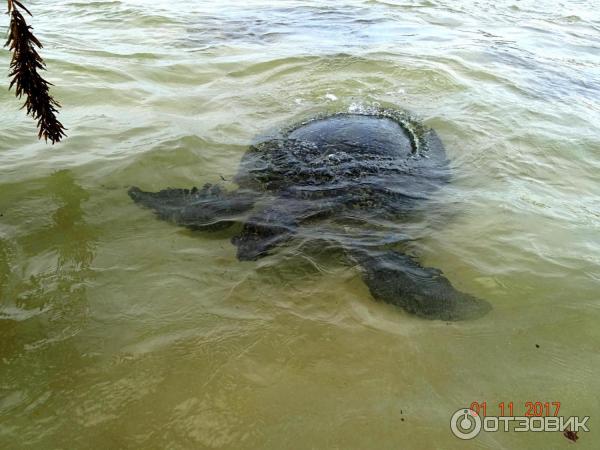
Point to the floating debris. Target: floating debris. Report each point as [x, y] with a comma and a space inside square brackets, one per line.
[571, 435]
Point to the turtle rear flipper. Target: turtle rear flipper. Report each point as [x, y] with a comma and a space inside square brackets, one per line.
[424, 291]
[209, 208]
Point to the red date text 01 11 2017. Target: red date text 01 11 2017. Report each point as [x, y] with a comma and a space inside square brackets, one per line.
[527, 409]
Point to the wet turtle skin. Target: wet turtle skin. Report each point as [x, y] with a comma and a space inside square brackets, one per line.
[314, 178]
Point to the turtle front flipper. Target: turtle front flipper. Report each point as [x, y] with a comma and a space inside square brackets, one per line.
[209, 208]
[424, 291]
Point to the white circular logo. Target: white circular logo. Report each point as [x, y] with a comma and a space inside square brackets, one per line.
[465, 424]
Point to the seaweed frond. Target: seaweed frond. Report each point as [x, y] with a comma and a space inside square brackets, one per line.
[25, 67]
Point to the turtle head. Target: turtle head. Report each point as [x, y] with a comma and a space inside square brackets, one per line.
[256, 240]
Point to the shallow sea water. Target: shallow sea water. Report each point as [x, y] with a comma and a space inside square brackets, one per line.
[118, 330]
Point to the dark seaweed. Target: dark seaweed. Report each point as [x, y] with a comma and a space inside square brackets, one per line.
[25, 67]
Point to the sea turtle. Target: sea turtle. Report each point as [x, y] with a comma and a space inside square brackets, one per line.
[336, 175]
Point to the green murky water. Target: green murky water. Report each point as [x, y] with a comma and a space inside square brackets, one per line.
[121, 331]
